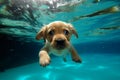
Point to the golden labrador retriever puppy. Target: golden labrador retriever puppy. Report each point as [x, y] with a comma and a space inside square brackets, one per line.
[57, 41]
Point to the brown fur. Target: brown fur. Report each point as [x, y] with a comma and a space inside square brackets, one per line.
[57, 36]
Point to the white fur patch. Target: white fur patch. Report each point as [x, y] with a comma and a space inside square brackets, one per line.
[59, 52]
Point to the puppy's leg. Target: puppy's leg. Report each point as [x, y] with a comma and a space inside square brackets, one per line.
[75, 56]
[44, 58]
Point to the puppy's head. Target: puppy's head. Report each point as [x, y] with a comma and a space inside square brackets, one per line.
[58, 34]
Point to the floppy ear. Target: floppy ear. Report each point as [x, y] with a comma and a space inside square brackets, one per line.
[41, 33]
[73, 30]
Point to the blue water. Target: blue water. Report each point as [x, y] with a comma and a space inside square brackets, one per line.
[95, 66]
[97, 23]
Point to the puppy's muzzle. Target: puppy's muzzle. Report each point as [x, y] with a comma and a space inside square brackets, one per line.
[60, 43]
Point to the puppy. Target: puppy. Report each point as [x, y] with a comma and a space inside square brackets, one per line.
[57, 36]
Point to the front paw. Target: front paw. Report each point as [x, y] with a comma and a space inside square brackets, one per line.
[44, 58]
[77, 59]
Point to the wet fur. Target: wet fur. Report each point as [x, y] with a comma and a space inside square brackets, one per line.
[51, 46]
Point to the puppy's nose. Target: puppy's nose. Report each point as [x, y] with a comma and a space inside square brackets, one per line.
[60, 41]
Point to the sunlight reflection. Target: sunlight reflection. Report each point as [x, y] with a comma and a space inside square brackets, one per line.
[25, 77]
[73, 65]
[100, 67]
[66, 65]
[47, 75]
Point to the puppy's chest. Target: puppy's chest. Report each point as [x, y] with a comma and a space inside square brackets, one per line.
[59, 52]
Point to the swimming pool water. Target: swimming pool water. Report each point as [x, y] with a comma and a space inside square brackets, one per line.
[96, 21]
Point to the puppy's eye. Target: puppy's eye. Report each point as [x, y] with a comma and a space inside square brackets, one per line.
[66, 32]
[51, 33]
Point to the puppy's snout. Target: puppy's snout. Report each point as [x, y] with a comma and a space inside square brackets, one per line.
[60, 41]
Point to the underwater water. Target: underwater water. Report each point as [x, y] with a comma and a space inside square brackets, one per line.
[96, 21]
